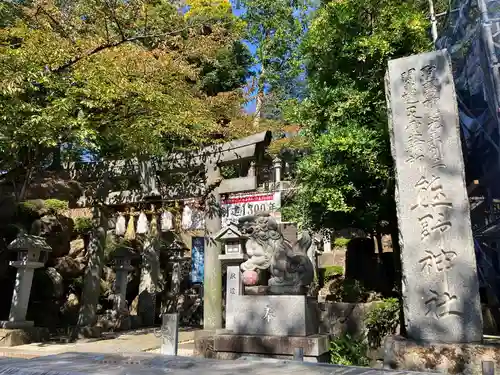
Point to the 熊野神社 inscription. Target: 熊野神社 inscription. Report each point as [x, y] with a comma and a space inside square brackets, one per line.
[440, 285]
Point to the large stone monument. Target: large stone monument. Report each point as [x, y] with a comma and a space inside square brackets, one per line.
[273, 316]
[440, 284]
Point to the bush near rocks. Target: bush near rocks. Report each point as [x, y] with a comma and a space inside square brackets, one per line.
[349, 351]
[56, 206]
[39, 207]
[83, 226]
[380, 321]
[341, 242]
[331, 272]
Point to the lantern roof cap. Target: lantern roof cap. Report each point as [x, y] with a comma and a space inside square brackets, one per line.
[123, 252]
[176, 245]
[230, 232]
[26, 242]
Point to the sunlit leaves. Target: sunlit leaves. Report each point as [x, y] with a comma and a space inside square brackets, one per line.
[347, 179]
[276, 28]
[116, 78]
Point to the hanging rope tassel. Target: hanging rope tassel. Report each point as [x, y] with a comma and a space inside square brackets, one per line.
[166, 223]
[121, 225]
[130, 232]
[153, 227]
[187, 218]
[142, 224]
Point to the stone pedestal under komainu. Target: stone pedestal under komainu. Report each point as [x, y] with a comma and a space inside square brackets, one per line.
[272, 326]
[276, 318]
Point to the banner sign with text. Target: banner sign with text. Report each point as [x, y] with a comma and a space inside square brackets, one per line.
[237, 206]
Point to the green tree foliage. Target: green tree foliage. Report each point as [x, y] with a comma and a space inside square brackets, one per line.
[116, 78]
[347, 177]
[276, 28]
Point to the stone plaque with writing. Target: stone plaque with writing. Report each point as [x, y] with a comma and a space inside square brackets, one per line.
[169, 334]
[440, 284]
[274, 315]
[234, 287]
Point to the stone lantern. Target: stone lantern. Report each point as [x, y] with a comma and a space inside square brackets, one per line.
[233, 243]
[122, 257]
[32, 253]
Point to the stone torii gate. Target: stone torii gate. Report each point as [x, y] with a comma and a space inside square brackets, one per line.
[208, 161]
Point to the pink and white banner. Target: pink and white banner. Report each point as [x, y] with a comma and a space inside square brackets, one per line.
[240, 205]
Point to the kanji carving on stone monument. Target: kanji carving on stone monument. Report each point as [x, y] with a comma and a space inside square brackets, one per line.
[415, 143]
[432, 200]
[442, 303]
[430, 90]
[268, 314]
[440, 289]
[440, 261]
[430, 223]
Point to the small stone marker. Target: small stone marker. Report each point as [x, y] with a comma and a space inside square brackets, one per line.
[234, 287]
[298, 354]
[440, 284]
[488, 368]
[169, 334]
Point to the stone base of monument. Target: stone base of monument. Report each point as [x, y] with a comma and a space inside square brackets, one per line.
[268, 326]
[231, 346]
[276, 290]
[16, 325]
[22, 336]
[272, 315]
[257, 290]
[403, 354]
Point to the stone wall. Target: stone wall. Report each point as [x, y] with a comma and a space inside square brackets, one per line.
[339, 318]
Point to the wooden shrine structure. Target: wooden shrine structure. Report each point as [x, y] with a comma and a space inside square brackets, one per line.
[172, 177]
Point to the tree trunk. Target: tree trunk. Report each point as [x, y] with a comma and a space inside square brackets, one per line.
[260, 99]
[258, 109]
[91, 288]
[56, 159]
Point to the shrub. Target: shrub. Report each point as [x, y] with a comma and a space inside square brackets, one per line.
[348, 351]
[351, 291]
[332, 272]
[354, 292]
[55, 206]
[382, 320]
[29, 207]
[341, 242]
[83, 225]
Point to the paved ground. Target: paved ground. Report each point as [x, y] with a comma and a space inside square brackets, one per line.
[128, 342]
[150, 364]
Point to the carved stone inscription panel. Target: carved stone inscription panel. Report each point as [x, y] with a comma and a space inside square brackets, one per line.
[440, 285]
[234, 287]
